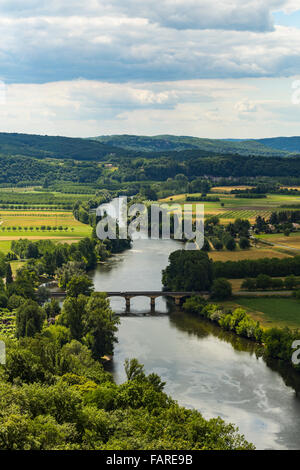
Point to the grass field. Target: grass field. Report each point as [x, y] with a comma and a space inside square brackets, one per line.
[271, 312]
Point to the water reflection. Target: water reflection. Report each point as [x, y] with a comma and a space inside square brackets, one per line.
[204, 367]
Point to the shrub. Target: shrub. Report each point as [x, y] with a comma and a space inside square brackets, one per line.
[249, 284]
[244, 243]
[290, 282]
[263, 281]
[221, 289]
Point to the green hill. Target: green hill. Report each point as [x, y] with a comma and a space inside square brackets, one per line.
[162, 143]
[41, 147]
[288, 144]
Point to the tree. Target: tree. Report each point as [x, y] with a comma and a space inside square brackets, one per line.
[230, 244]
[81, 284]
[52, 308]
[221, 289]
[206, 245]
[244, 243]
[15, 301]
[290, 282]
[9, 276]
[29, 319]
[3, 300]
[100, 325]
[188, 271]
[72, 315]
[133, 369]
[263, 281]
[249, 284]
[42, 294]
[67, 271]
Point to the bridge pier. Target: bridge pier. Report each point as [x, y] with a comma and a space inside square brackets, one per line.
[127, 303]
[177, 301]
[152, 302]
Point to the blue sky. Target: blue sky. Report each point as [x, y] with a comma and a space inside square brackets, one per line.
[287, 19]
[150, 67]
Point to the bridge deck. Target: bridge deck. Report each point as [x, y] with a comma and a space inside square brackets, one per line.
[143, 293]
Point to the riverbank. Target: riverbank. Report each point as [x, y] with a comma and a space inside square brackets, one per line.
[276, 342]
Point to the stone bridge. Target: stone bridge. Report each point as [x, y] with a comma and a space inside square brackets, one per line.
[152, 295]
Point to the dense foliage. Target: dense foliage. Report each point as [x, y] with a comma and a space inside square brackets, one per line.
[274, 267]
[188, 271]
[54, 392]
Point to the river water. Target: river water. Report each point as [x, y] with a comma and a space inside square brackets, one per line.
[204, 367]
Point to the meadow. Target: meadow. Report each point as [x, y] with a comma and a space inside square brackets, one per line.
[270, 312]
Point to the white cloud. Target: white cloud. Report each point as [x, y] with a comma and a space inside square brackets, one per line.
[246, 106]
[205, 108]
[146, 66]
[47, 49]
[253, 15]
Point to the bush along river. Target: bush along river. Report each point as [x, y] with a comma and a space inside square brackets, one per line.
[206, 368]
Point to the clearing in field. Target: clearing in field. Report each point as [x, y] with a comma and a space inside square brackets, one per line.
[271, 312]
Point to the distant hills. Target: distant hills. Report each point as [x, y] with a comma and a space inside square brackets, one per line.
[162, 143]
[121, 146]
[287, 144]
[41, 147]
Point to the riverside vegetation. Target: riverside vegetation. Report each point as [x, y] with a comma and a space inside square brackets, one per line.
[54, 391]
[196, 272]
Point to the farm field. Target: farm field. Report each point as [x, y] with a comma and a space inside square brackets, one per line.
[230, 208]
[270, 312]
[28, 198]
[293, 240]
[228, 189]
[252, 253]
[34, 225]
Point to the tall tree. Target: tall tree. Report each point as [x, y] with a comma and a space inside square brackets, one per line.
[100, 325]
[29, 319]
[9, 276]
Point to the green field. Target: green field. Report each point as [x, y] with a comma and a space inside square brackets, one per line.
[271, 312]
[34, 225]
[234, 208]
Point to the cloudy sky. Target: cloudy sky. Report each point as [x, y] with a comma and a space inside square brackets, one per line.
[228, 68]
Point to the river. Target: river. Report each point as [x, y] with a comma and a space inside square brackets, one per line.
[204, 367]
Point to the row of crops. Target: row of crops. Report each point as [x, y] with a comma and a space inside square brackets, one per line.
[245, 214]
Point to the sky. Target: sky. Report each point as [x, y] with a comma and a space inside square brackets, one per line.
[221, 69]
